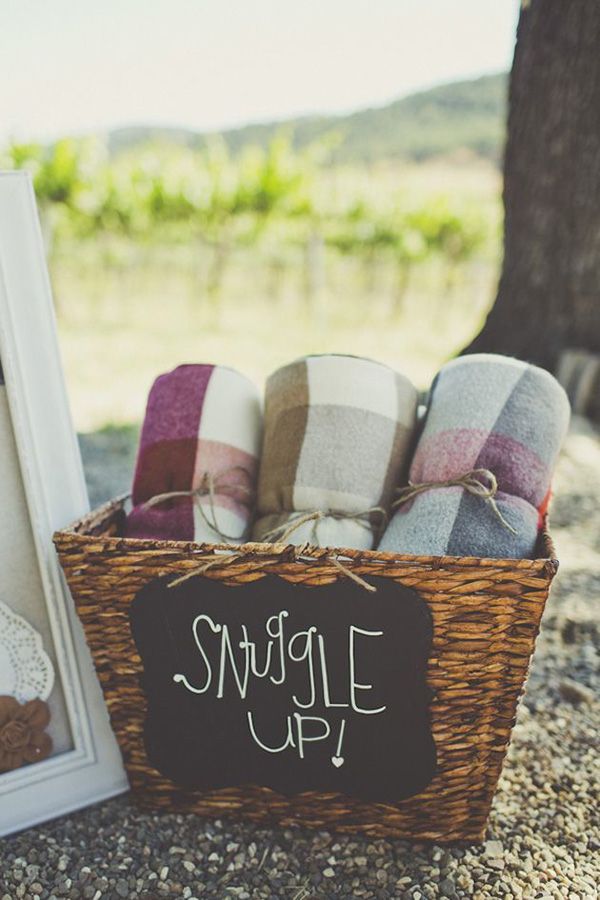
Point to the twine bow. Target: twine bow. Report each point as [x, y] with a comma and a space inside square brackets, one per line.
[478, 482]
[281, 533]
[210, 485]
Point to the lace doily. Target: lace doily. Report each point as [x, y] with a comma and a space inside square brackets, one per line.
[26, 671]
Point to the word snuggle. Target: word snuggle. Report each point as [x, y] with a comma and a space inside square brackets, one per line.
[287, 686]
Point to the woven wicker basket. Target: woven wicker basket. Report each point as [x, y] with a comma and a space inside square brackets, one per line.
[486, 615]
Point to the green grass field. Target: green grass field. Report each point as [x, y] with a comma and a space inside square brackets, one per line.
[127, 313]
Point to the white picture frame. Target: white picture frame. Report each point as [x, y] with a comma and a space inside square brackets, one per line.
[52, 474]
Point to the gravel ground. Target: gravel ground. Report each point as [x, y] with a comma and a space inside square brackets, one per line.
[543, 839]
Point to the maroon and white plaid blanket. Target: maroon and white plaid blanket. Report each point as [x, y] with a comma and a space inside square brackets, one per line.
[201, 432]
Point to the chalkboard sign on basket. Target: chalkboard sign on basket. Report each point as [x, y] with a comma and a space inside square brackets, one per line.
[288, 686]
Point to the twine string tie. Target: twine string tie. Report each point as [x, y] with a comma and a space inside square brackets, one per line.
[281, 533]
[211, 483]
[478, 482]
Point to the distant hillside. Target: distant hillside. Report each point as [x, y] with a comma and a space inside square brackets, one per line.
[465, 115]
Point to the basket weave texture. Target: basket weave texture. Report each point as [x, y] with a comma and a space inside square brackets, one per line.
[486, 615]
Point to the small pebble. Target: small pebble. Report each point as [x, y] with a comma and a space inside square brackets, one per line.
[494, 849]
[574, 692]
[447, 888]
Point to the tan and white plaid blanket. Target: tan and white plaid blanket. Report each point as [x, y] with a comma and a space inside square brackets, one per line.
[337, 434]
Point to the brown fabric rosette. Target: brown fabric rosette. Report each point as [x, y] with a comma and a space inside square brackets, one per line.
[22, 736]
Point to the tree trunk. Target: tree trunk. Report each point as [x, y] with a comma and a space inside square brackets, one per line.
[549, 293]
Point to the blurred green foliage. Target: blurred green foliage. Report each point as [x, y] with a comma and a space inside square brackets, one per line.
[272, 196]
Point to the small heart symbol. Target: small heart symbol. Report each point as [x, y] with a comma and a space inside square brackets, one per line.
[337, 761]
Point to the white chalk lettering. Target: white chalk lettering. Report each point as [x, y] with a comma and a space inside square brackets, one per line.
[278, 635]
[325, 676]
[305, 739]
[179, 678]
[227, 652]
[354, 684]
[289, 741]
[299, 657]
[306, 654]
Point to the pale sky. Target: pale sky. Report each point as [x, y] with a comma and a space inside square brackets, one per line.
[76, 66]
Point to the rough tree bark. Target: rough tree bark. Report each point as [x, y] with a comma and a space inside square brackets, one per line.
[549, 292]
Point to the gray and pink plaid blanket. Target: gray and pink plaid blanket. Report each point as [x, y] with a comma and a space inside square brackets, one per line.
[491, 413]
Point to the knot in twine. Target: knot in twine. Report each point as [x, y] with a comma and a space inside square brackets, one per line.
[211, 483]
[478, 482]
[281, 533]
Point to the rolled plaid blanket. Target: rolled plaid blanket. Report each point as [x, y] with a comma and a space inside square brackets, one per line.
[481, 474]
[337, 435]
[195, 475]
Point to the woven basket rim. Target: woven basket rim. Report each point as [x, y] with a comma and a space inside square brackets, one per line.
[82, 530]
